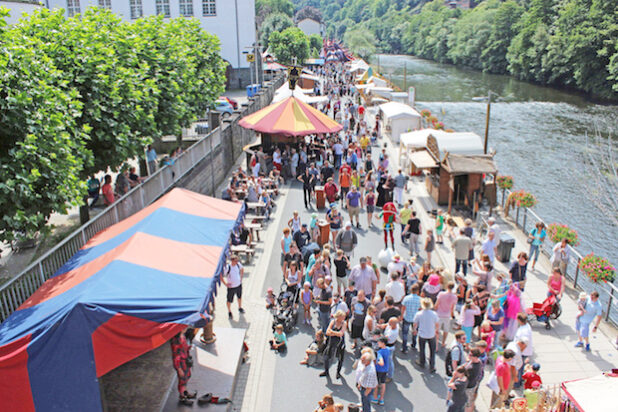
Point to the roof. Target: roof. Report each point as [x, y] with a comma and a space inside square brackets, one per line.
[317, 62]
[416, 138]
[422, 159]
[130, 289]
[303, 95]
[310, 77]
[395, 110]
[455, 143]
[464, 164]
[597, 393]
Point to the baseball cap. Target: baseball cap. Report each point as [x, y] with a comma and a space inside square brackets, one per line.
[304, 225]
[536, 366]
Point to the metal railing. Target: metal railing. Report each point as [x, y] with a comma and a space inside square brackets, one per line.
[525, 218]
[18, 289]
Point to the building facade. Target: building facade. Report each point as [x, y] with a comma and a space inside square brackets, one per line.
[18, 7]
[310, 26]
[232, 21]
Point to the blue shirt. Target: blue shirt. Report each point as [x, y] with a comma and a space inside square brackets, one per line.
[412, 303]
[151, 155]
[354, 198]
[593, 309]
[383, 354]
[538, 236]
[426, 321]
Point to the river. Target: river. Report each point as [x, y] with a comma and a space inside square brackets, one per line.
[539, 134]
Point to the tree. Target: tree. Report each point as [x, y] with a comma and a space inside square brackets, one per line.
[290, 44]
[360, 42]
[274, 22]
[40, 140]
[309, 12]
[502, 32]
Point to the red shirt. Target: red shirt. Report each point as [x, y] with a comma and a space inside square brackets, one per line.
[330, 189]
[529, 378]
[503, 370]
[345, 167]
[108, 193]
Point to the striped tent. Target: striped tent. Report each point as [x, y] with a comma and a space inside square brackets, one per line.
[290, 117]
[127, 291]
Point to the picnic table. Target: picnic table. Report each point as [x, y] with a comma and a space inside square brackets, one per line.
[256, 205]
[246, 250]
[257, 227]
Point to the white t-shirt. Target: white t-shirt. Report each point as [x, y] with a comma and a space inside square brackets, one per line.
[277, 157]
[338, 148]
[232, 274]
[395, 290]
[525, 331]
[391, 334]
[256, 169]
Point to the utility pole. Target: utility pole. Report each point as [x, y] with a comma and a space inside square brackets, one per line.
[487, 120]
[405, 76]
[378, 63]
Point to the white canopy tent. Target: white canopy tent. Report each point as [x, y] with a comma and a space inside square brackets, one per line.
[398, 118]
[358, 65]
[456, 143]
[284, 92]
[596, 394]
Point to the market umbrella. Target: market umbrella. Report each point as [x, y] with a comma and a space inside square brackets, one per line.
[290, 117]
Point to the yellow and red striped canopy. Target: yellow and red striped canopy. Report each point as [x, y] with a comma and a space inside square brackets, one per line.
[290, 117]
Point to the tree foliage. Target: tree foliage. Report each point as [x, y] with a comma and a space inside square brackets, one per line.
[79, 95]
[560, 42]
[274, 22]
[360, 42]
[289, 44]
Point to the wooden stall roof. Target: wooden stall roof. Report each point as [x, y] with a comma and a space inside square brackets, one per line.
[464, 164]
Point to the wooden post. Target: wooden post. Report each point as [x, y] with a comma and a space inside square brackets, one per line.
[487, 120]
[405, 77]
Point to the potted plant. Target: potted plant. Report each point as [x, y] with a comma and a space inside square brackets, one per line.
[519, 198]
[557, 232]
[597, 269]
[425, 113]
[504, 182]
[438, 126]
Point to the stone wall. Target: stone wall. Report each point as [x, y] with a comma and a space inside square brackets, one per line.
[210, 172]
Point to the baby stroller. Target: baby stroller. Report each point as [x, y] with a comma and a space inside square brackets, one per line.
[549, 309]
[285, 311]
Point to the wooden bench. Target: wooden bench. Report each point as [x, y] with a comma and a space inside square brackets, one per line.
[257, 227]
[248, 251]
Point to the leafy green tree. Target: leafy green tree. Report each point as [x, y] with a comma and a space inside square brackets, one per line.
[315, 44]
[40, 140]
[289, 44]
[360, 42]
[274, 22]
[503, 29]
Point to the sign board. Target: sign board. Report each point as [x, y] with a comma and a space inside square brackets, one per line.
[293, 75]
[411, 95]
[250, 57]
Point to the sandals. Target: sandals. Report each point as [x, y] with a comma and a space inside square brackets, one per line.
[185, 401]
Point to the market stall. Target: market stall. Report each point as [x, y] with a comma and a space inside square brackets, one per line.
[398, 118]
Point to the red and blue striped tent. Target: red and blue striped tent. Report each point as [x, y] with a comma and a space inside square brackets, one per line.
[127, 291]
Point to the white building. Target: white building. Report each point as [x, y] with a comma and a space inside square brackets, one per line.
[232, 21]
[17, 8]
[310, 26]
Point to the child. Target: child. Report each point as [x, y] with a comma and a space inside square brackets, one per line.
[350, 293]
[314, 228]
[382, 363]
[306, 297]
[531, 375]
[270, 298]
[487, 333]
[470, 310]
[315, 348]
[279, 341]
[581, 307]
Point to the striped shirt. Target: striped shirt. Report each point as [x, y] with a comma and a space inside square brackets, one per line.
[412, 303]
[366, 376]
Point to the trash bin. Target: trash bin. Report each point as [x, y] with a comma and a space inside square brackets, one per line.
[324, 232]
[507, 243]
[250, 91]
[319, 197]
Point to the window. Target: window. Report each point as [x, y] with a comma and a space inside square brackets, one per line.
[209, 7]
[105, 4]
[73, 7]
[186, 8]
[136, 9]
[163, 7]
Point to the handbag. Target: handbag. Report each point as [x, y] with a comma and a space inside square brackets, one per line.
[529, 240]
[492, 383]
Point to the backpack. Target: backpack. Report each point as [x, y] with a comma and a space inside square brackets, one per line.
[448, 362]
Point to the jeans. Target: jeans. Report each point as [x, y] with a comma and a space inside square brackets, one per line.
[520, 372]
[432, 351]
[365, 399]
[534, 251]
[463, 263]
[324, 318]
[337, 160]
[307, 195]
[413, 245]
[405, 330]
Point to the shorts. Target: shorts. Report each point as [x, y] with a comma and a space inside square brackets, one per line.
[471, 395]
[357, 331]
[342, 281]
[439, 231]
[381, 377]
[370, 208]
[478, 319]
[282, 259]
[234, 291]
[584, 329]
[444, 324]
[354, 211]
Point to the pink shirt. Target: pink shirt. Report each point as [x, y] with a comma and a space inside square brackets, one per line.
[513, 305]
[467, 316]
[447, 300]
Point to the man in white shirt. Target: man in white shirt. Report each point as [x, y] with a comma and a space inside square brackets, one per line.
[395, 288]
[524, 331]
[490, 246]
[232, 279]
[256, 169]
[518, 346]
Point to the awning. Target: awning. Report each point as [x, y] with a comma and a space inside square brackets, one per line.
[130, 289]
[596, 394]
[466, 164]
[422, 160]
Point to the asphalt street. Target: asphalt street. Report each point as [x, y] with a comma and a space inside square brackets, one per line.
[298, 387]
